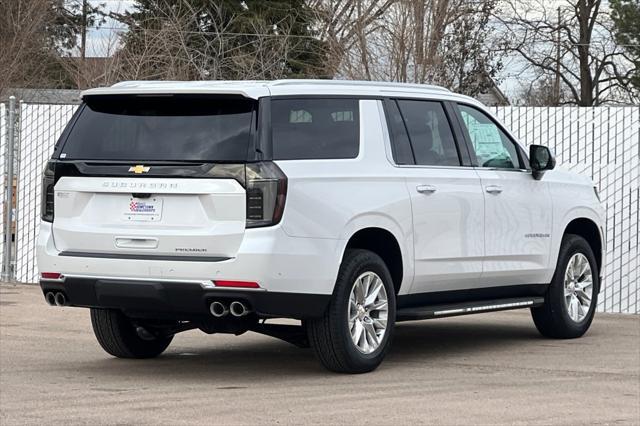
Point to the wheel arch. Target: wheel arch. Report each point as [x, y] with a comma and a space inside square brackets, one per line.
[589, 230]
[385, 244]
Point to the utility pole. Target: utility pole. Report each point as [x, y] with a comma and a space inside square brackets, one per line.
[556, 86]
[83, 31]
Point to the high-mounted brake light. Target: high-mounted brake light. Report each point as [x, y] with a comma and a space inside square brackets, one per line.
[240, 284]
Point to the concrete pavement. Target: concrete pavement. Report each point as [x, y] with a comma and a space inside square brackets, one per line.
[483, 369]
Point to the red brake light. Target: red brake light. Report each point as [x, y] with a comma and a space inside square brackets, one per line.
[242, 284]
[51, 275]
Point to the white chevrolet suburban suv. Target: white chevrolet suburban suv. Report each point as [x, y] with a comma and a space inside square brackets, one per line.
[350, 206]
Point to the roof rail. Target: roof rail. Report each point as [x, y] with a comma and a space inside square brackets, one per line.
[133, 83]
[381, 84]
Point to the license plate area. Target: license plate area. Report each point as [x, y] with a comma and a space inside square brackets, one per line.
[143, 209]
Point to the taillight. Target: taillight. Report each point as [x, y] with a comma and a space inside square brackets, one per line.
[266, 194]
[51, 275]
[46, 202]
[237, 284]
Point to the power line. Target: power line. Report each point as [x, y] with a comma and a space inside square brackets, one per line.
[229, 33]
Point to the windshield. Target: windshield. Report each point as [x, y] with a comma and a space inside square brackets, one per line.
[161, 128]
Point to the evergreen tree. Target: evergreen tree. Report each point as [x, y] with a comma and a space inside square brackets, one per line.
[228, 39]
[626, 20]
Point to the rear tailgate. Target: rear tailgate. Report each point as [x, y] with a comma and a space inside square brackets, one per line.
[182, 219]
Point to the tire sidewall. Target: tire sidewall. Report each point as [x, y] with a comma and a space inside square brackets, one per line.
[572, 245]
[363, 262]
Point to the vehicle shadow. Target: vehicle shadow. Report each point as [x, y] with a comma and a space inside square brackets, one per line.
[424, 340]
[271, 359]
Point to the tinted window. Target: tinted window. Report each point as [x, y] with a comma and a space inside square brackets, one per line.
[315, 128]
[430, 133]
[136, 128]
[401, 147]
[492, 146]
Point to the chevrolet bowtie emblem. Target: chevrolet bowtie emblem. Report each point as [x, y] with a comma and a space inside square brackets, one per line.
[139, 169]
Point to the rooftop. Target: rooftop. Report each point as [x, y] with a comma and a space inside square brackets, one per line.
[259, 88]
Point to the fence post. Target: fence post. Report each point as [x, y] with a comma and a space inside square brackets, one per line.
[7, 270]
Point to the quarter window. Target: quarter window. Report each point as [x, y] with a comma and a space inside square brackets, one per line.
[492, 146]
[400, 145]
[315, 128]
[430, 133]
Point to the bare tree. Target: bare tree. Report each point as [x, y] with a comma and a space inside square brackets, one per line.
[572, 44]
[346, 25]
[540, 91]
[37, 40]
[423, 41]
[25, 48]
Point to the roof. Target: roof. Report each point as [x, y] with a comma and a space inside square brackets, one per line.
[256, 88]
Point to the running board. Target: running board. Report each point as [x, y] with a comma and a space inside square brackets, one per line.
[466, 308]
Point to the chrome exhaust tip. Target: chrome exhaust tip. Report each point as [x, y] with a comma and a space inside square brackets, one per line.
[51, 298]
[61, 299]
[218, 309]
[238, 309]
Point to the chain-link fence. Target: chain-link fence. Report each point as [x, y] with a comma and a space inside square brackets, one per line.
[604, 144]
[601, 142]
[40, 127]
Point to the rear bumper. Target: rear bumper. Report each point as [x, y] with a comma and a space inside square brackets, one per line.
[179, 300]
[277, 262]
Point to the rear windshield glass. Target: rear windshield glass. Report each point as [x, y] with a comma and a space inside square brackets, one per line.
[161, 128]
[315, 128]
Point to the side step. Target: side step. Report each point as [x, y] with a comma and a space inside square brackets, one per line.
[466, 308]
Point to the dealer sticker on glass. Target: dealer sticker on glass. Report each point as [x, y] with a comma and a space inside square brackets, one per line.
[143, 210]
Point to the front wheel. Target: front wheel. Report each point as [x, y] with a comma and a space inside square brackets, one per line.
[118, 336]
[355, 332]
[572, 296]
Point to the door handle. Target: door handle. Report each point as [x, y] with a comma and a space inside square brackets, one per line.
[426, 189]
[493, 189]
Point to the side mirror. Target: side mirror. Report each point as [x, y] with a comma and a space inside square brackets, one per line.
[541, 160]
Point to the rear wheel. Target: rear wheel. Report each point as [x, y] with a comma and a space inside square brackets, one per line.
[118, 336]
[571, 299]
[355, 332]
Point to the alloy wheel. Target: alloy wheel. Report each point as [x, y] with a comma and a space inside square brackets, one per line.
[578, 287]
[368, 312]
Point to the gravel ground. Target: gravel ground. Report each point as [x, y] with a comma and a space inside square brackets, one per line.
[483, 369]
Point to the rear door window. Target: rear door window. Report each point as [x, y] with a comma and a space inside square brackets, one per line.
[161, 128]
[430, 133]
[315, 128]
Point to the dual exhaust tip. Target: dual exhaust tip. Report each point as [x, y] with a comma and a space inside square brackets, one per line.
[236, 308]
[56, 299]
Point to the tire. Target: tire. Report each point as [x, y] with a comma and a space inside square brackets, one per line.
[553, 319]
[117, 335]
[330, 335]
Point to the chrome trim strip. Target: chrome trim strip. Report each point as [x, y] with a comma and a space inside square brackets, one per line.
[205, 284]
[484, 308]
[135, 256]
